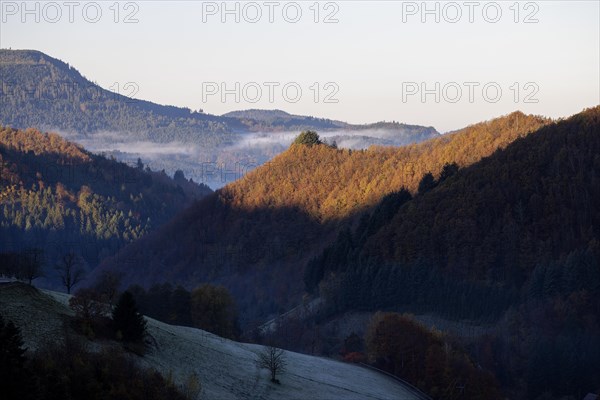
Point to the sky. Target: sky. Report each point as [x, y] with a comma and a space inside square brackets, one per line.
[440, 64]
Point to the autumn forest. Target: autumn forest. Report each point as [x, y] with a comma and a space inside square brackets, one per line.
[463, 265]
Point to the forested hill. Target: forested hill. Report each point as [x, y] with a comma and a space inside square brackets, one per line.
[256, 235]
[278, 120]
[497, 222]
[46, 93]
[512, 240]
[56, 196]
[266, 120]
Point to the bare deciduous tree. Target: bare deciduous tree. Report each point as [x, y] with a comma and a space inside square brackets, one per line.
[272, 359]
[70, 270]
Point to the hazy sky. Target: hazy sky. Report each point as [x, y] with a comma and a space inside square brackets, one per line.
[375, 59]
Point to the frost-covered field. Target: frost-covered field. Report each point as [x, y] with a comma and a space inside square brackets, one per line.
[226, 369]
[40, 319]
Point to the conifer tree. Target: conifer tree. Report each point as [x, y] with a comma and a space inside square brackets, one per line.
[129, 324]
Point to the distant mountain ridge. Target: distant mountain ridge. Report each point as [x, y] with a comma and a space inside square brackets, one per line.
[42, 92]
[46, 93]
[394, 133]
[34, 85]
[271, 116]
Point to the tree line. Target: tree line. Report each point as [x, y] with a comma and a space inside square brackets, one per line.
[207, 307]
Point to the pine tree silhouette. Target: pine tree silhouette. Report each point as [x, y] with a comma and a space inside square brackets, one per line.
[129, 324]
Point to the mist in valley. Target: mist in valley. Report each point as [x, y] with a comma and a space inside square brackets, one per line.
[219, 166]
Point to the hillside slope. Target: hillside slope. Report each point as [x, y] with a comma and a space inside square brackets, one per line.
[492, 224]
[256, 235]
[511, 241]
[57, 196]
[227, 369]
[46, 93]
